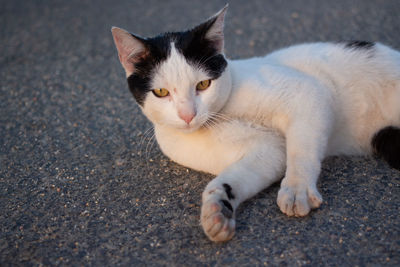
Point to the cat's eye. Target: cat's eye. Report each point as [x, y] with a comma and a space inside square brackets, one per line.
[160, 92]
[203, 85]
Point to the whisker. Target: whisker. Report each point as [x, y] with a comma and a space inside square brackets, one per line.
[221, 116]
[145, 136]
[213, 123]
[151, 143]
[207, 59]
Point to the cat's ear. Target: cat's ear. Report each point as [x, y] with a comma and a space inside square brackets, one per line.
[215, 29]
[130, 49]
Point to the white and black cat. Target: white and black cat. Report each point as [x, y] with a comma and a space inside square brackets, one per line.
[253, 121]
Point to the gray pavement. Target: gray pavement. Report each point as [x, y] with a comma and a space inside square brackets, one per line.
[83, 183]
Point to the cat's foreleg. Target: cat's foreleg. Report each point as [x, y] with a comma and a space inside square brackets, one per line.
[263, 165]
[306, 143]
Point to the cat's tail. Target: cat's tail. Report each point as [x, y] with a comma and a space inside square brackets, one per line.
[386, 144]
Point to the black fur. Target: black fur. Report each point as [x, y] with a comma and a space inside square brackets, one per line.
[228, 190]
[386, 143]
[227, 209]
[202, 51]
[197, 49]
[158, 50]
[360, 45]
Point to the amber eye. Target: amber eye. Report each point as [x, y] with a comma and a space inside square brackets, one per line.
[203, 85]
[160, 92]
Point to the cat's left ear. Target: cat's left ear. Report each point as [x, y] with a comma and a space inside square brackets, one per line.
[215, 29]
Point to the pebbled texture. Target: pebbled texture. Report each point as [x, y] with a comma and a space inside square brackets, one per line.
[81, 182]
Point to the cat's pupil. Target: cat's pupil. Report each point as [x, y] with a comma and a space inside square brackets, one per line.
[160, 92]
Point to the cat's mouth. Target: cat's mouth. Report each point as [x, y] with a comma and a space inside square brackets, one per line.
[189, 128]
[210, 121]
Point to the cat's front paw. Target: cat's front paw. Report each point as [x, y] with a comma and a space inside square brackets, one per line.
[217, 219]
[298, 200]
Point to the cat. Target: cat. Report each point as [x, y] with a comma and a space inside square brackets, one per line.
[255, 121]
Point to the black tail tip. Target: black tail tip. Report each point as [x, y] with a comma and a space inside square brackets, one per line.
[386, 143]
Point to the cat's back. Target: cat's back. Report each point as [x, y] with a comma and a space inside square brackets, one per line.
[342, 64]
[337, 65]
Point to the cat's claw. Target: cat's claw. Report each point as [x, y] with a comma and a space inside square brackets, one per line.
[298, 201]
[217, 219]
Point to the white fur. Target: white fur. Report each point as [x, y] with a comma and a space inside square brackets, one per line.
[180, 78]
[323, 98]
[346, 93]
[265, 118]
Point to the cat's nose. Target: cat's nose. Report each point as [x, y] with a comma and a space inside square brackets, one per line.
[187, 116]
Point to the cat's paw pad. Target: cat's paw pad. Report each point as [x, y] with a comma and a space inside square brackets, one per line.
[298, 201]
[217, 219]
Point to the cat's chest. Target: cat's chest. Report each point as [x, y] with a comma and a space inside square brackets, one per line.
[205, 150]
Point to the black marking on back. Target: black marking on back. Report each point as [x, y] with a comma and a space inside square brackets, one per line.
[386, 143]
[228, 190]
[193, 44]
[355, 44]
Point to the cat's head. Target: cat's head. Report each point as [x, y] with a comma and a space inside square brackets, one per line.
[179, 79]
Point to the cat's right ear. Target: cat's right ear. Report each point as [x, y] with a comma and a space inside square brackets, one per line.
[130, 49]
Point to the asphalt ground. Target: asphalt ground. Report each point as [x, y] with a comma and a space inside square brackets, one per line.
[83, 183]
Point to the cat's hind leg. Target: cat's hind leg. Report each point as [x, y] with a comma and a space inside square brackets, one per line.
[262, 165]
[386, 144]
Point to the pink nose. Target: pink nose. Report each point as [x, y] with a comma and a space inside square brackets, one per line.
[186, 116]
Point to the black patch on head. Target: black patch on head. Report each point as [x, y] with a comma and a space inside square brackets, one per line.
[193, 44]
[228, 190]
[158, 50]
[360, 44]
[227, 209]
[386, 143]
[200, 50]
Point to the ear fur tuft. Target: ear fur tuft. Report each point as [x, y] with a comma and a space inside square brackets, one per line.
[215, 32]
[130, 48]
